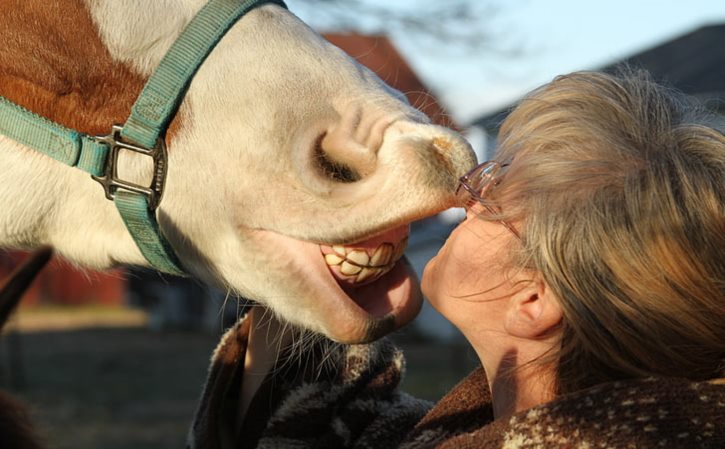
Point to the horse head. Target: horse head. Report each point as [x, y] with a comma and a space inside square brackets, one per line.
[293, 171]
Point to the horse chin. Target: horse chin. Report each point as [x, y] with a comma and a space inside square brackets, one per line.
[391, 301]
[342, 306]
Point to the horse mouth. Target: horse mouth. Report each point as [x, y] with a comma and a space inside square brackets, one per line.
[352, 293]
[377, 279]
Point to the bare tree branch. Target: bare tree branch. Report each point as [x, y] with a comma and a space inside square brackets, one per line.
[465, 25]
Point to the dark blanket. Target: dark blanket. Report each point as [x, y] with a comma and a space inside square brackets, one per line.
[334, 396]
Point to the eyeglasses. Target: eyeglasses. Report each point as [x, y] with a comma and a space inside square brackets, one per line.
[474, 186]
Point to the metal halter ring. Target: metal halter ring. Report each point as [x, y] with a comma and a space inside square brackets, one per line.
[110, 180]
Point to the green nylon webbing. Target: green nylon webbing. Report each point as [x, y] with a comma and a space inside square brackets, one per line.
[141, 223]
[149, 119]
[62, 144]
[157, 104]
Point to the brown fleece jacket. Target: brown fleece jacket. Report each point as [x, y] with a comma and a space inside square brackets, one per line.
[352, 401]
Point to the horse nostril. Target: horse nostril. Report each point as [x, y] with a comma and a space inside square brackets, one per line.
[332, 169]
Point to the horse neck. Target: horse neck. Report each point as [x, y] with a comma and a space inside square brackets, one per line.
[54, 62]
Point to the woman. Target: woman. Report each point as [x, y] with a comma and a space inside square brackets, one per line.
[588, 276]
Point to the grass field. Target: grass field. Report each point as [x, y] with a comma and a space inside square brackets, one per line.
[107, 381]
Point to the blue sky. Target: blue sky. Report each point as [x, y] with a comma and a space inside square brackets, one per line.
[557, 36]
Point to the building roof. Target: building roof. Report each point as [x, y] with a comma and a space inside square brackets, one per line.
[692, 63]
[377, 53]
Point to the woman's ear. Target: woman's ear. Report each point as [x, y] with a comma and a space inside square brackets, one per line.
[533, 312]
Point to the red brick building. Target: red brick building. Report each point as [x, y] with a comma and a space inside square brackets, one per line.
[61, 283]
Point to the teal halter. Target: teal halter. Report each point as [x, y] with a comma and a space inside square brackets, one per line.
[143, 132]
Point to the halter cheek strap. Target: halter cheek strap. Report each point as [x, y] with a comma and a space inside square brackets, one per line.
[143, 132]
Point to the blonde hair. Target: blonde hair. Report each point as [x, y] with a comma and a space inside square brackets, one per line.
[620, 197]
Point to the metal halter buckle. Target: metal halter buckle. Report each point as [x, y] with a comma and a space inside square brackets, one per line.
[110, 181]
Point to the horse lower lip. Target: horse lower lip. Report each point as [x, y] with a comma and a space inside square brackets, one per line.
[390, 303]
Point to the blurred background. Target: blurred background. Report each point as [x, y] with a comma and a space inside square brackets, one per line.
[117, 360]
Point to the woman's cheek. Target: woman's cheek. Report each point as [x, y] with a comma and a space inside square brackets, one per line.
[459, 266]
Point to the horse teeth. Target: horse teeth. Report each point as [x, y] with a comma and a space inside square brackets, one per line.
[401, 249]
[333, 259]
[360, 258]
[358, 263]
[349, 269]
[381, 256]
[365, 274]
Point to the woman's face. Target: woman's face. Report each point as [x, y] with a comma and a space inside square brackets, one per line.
[467, 281]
